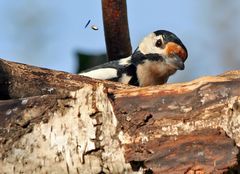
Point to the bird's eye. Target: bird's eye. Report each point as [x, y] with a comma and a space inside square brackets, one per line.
[158, 43]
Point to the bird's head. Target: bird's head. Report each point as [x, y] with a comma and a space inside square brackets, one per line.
[159, 55]
[166, 45]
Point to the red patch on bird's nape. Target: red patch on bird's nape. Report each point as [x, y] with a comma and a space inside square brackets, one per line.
[173, 48]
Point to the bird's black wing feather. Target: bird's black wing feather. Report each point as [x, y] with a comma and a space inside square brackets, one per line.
[108, 71]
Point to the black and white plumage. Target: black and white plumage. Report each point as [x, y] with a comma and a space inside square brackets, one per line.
[158, 56]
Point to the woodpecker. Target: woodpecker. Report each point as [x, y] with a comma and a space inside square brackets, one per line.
[158, 56]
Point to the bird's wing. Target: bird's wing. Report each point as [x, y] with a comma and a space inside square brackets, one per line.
[108, 71]
[103, 73]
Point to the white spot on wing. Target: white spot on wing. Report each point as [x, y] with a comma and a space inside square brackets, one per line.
[104, 73]
[125, 61]
[125, 78]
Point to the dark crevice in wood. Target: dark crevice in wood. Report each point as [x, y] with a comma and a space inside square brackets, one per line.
[136, 165]
[236, 168]
[145, 121]
[148, 171]
[4, 84]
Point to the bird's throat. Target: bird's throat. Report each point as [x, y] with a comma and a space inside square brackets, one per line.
[153, 73]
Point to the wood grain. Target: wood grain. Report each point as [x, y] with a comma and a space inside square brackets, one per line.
[174, 128]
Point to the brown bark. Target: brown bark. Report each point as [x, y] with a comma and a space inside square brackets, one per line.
[116, 29]
[52, 121]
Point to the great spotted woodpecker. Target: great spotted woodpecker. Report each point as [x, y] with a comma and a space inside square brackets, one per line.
[158, 56]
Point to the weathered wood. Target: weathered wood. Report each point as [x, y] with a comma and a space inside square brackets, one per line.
[56, 122]
[17, 117]
[206, 150]
[177, 111]
[20, 80]
[53, 122]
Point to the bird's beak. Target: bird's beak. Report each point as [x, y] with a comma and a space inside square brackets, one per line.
[176, 62]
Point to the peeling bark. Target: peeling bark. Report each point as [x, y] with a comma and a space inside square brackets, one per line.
[55, 122]
[73, 135]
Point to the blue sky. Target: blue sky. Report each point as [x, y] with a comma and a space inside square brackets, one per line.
[48, 33]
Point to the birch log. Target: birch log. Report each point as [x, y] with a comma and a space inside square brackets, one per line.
[56, 122]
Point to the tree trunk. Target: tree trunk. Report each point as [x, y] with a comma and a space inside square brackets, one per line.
[56, 122]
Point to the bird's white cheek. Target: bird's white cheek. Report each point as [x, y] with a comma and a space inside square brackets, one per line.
[147, 46]
[151, 49]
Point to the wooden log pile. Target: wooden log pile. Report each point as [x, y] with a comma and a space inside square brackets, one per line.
[57, 122]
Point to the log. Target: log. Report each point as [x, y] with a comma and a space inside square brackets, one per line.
[57, 122]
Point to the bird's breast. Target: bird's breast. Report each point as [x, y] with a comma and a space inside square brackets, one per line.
[153, 73]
